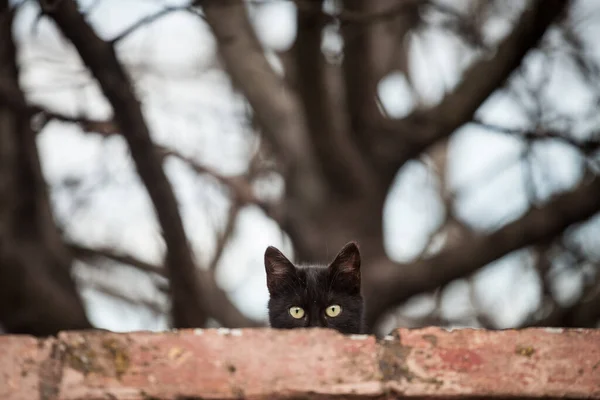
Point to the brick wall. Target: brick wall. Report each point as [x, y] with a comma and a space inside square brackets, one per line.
[261, 363]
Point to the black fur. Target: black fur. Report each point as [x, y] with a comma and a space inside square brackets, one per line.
[314, 288]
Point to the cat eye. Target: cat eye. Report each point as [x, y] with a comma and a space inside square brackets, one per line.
[297, 312]
[333, 310]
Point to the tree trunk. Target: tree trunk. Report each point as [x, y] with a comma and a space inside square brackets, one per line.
[37, 294]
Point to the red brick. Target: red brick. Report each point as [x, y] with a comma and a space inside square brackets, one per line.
[529, 363]
[26, 369]
[267, 364]
[219, 364]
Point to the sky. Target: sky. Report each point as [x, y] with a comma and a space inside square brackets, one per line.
[190, 106]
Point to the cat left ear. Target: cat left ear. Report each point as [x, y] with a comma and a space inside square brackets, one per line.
[345, 268]
[278, 268]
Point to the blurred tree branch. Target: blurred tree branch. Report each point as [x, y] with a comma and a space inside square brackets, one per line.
[583, 313]
[111, 291]
[219, 307]
[188, 302]
[224, 236]
[276, 106]
[90, 253]
[148, 20]
[315, 81]
[586, 146]
[371, 51]
[397, 283]
[240, 186]
[37, 294]
[401, 140]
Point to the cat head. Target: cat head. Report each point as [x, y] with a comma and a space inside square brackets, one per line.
[315, 295]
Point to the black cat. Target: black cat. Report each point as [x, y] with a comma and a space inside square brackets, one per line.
[315, 295]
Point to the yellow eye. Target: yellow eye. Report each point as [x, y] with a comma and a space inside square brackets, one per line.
[333, 310]
[297, 312]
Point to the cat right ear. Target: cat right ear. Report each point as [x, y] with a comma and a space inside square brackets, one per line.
[345, 269]
[279, 269]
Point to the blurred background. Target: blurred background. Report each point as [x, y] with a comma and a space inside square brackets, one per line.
[150, 151]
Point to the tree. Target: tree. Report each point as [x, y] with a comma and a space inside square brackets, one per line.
[37, 294]
[323, 128]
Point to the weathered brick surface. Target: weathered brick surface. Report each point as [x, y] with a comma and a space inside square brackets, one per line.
[24, 367]
[215, 363]
[529, 363]
[262, 363]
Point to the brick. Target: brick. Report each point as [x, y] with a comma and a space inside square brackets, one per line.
[536, 363]
[26, 368]
[427, 363]
[217, 364]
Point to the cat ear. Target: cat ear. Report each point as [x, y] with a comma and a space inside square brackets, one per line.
[279, 269]
[344, 270]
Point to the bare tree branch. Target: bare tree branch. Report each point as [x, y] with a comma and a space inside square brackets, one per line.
[240, 188]
[480, 316]
[90, 253]
[148, 20]
[408, 137]
[450, 227]
[586, 146]
[584, 313]
[219, 307]
[371, 51]
[393, 284]
[188, 303]
[347, 172]
[275, 105]
[223, 237]
[11, 96]
[353, 15]
[111, 291]
[37, 293]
